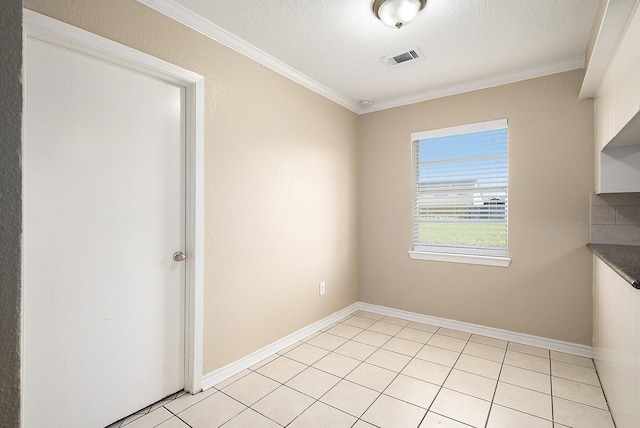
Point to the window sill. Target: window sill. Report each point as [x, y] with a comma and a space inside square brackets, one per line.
[461, 258]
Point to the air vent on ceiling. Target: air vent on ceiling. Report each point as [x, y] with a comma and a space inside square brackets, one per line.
[403, 57]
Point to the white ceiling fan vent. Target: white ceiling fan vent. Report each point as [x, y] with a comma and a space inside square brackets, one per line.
[403, 57]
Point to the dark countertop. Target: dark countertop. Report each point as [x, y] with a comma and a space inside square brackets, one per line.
[624, 259]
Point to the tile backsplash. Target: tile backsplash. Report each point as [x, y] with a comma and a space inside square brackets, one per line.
[615, 218]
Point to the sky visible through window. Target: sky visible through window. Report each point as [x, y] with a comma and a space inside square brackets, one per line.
[461, 193]
[478, 158]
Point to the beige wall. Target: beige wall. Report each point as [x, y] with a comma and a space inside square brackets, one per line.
[280, 183]
[547, 289]
[282, 169]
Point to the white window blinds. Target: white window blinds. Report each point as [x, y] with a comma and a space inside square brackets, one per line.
[460, 190]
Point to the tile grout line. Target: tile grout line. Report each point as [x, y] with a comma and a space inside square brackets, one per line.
[283, 385]
[394, 378]
[380, 347]
[412, 357]
[359, 418]
[441, 387]
[397, 372]
[493, 397]
[343, 378]
[553, 415]
[527, 388]
[247, 407]
[502, 363]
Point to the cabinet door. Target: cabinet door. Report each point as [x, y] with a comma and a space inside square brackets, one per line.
[616, 343]
[626, 70]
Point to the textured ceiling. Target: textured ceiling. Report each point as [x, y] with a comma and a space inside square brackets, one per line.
[468, 44]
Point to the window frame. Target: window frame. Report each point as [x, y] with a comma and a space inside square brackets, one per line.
[418, 253]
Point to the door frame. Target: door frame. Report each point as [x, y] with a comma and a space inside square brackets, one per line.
[49, 30]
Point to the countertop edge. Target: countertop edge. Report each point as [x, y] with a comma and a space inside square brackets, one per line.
[623, 259]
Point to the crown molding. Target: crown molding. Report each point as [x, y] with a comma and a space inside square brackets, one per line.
[179, 13]
[610, 32]
[205, 27]
[501, 79]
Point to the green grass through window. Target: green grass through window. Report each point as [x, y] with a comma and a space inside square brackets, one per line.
[467, 234]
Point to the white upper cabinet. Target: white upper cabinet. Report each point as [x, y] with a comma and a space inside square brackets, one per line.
[618, 97]
[617, 117]
[626, 71]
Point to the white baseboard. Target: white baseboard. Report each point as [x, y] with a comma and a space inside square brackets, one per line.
[511, 336]
[217, 376]
[224, 373]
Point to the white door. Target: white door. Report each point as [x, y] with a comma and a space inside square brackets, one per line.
[104, 211]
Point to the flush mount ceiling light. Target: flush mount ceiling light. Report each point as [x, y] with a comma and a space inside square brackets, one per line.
[397, 13]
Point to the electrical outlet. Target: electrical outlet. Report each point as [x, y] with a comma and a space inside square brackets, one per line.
[322, 288]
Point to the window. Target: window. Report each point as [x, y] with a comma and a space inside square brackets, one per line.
[460, 198]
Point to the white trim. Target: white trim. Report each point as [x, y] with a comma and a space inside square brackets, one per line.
[194, 296]
[215, 377]
[224, 373]
[181, 14]
[460, 258]
[52, 31]
[455, 250]
[469, 128]
[490, 82]
[614, 24]
[511, 336]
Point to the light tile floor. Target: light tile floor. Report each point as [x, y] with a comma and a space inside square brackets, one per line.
[374, 371]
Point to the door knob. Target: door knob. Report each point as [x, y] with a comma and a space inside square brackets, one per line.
[179, 256]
